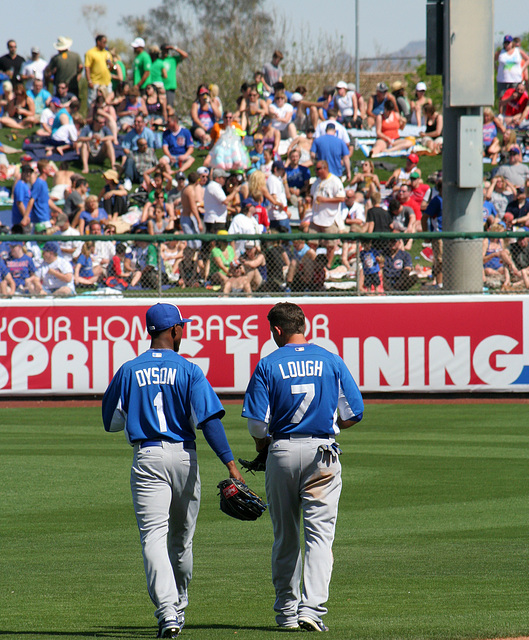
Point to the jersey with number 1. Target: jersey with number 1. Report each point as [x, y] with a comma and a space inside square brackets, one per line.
[298, 389]
[160, 394]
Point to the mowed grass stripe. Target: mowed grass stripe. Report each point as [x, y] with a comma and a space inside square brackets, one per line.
[431, 539]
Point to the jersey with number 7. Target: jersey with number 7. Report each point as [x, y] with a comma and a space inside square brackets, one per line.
[297, 389]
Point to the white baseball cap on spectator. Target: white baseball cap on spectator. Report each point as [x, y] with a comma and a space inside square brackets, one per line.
[296, 97]
[341, 85]
[420, 86]
[138, 42]
[203, 171]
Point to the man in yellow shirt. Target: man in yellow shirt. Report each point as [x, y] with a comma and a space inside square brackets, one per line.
[97, 68]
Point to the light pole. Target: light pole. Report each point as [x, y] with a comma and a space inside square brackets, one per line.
[357, 47]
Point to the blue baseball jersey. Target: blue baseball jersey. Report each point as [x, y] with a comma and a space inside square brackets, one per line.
[3, 269]
[368, 257]
[21, 268]
[159, 394]
[298, 389]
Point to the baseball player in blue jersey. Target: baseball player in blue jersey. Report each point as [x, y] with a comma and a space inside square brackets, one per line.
[291, 404]
[160, 399]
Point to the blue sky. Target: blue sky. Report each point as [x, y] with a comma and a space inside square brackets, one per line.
[385, 25]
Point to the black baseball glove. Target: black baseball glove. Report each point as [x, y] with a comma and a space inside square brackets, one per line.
[257, 464]
[238, 501]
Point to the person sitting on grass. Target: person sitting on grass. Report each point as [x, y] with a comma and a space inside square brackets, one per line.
[491, 143]
[204, 114]
[254, 264]
[397, 271]
[432, 136]
[140, 163]
[177, 144]
[92, 211]
[160, 200]
[160, 222]
[113, 196]
[7, 284]
[172, 252]
[237, 281]
[55, 273]
[75, 201]
[96, 142]
[23, 270]
[495, 265]
[85, 273]
[366, 179]
[118, 275]
[388, 125]
[65, 138]
[20, 110]
[143, 261]
[370, 260]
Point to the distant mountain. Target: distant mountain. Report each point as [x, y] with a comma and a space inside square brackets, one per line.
[415, 52]
[412, 49]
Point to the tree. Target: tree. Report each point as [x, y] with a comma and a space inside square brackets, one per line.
[92, 13]
[226, 41]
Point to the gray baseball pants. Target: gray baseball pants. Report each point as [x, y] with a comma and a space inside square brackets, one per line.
[165, 486]
[302, 481]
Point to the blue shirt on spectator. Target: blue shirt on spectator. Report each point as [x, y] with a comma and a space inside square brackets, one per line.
[21, 193]
[332, 150]
[297, 177]
[130, 140]
[86, 270]
[177, 143]
[3, 269]
[21, 268]
[434, 211]
[57, 120]
[40, 99]
[41, 208]
[489, 210]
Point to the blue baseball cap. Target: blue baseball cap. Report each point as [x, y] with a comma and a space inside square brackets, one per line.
[163, 316]
[54, 247]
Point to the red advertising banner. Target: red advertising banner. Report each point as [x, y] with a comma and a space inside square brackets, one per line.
[390, 344]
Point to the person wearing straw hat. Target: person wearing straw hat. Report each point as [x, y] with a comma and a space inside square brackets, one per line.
[398, 91]
[113, 196]
[65, 66]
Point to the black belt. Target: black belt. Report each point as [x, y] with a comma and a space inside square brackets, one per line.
[286, 436]
[189, 445]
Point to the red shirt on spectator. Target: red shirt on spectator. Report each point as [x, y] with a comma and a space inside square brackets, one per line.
[262, 215]
[514, 107]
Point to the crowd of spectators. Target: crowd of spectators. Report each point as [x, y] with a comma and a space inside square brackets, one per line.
[298, 169]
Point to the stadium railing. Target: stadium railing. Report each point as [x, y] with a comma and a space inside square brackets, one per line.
[306, 264]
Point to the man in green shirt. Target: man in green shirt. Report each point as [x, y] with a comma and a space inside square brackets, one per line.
[142, 64]
[157, 68]
[170, 63]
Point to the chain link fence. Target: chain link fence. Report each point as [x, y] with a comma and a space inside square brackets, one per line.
[274, 264]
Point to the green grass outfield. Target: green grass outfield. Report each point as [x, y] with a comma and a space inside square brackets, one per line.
[432, 537]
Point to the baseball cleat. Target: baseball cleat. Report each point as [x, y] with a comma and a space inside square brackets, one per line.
[181, 619]
[308, 624]
[168, 628]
